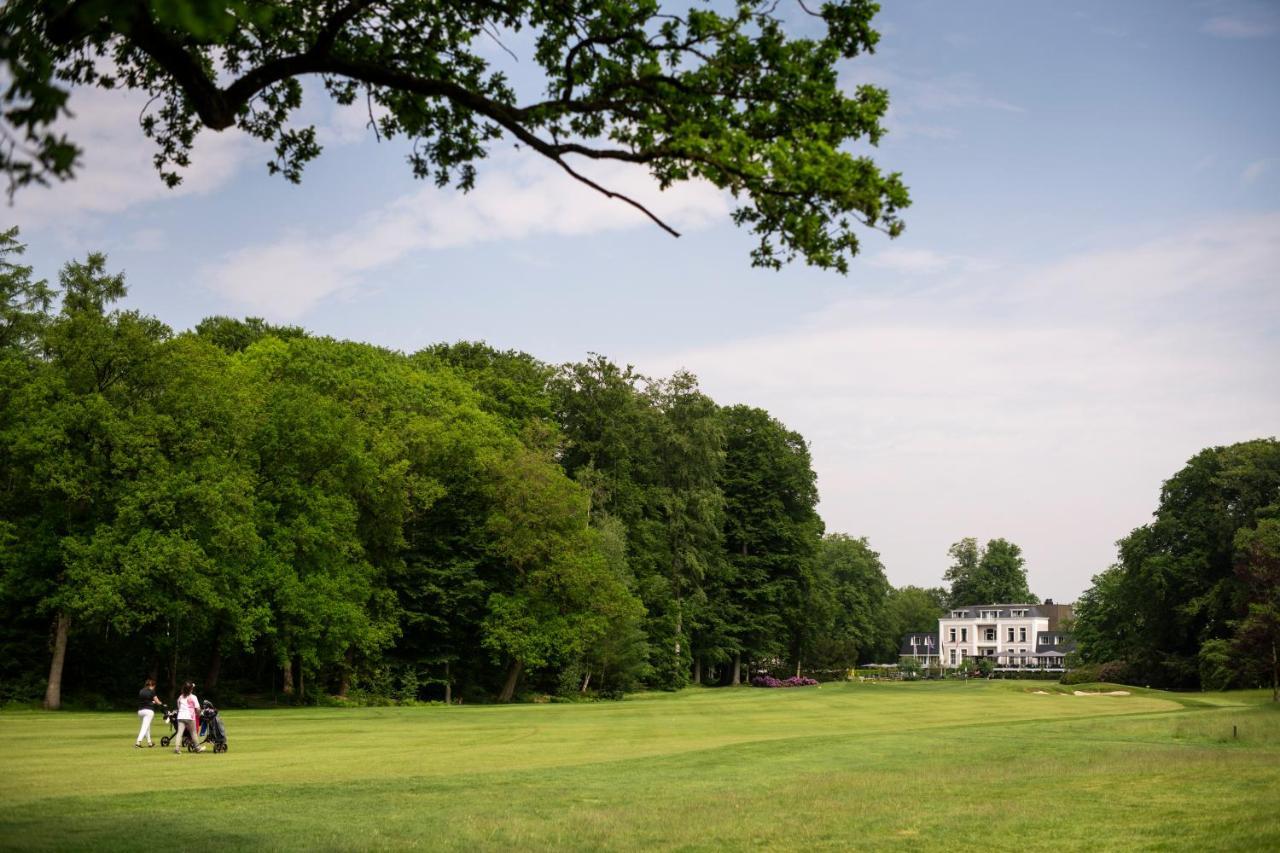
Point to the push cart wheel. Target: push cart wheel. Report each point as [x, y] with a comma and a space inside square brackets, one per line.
[164, 741]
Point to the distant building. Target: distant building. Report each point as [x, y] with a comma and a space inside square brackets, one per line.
[1012, 636]
[921, 646]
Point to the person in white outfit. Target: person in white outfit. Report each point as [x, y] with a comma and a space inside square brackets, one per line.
[147, 700]
[188, 718]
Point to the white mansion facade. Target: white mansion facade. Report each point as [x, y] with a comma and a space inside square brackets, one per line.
[1012, 636]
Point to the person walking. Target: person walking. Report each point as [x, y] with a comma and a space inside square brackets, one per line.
[147, 700]
[188, 718]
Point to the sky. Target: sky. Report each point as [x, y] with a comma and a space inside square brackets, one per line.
[1087, 292]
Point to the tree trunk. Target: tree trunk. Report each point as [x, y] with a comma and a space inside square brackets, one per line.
[697, 670]
[215, 662]
[797, 667]
[286, 678]
[344, 682]
[586, 680]
[302, 687]
[1275, 673]
[53, 693]
[737, 669]
[513, 677]
[448, 685]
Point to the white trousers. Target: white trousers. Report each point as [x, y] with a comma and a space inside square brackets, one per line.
[145, 730]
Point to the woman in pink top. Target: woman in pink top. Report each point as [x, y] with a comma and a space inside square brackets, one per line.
[188, 717]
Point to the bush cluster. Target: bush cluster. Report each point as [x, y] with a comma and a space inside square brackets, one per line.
[793, 681]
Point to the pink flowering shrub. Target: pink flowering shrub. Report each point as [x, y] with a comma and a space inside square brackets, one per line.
[793, 681]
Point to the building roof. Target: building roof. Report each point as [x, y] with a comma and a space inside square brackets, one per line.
[926, 642]
[1003, 611]
[1045, 643]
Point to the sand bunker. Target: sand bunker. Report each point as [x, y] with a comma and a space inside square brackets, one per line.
[1041, 692]
[1101, 693]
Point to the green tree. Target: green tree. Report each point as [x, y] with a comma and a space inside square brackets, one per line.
[559, 598]
[79, 430]
[1257, 634]
[991, 574]
[24, 303]
[909, 609]
[859, 592]
[1177, 583]
[769, 600]
[727, 98]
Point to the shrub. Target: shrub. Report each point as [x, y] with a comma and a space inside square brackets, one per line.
[1082, 674]
[793, 681]
[1115, 671]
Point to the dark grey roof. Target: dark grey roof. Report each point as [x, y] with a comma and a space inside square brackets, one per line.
[1003, 611]
[1044, 642]
[920, 648]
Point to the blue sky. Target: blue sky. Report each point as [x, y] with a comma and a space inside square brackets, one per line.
[1087, 293]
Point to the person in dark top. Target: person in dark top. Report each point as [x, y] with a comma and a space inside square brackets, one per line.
[147, 700]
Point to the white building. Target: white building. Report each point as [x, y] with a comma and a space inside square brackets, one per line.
[1012, 636]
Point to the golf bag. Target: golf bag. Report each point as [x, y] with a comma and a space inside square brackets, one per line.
[212, 728]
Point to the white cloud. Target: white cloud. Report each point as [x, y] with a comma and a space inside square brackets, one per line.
[515, 199]
[912, 98]
[926, 262]
[1255, 170]
[1234, 27]
[1045, 405]
[117, 171]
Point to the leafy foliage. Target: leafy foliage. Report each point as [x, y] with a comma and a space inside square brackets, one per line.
[302, 516]
[1192, 598]
[726, 96]
[990, 574]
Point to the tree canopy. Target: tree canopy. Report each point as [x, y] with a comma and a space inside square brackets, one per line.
[1193, 597]
[990, 574]
[272, 512]
[729, 97]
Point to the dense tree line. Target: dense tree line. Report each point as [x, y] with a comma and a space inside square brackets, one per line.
[275, 513]
[1194, 599]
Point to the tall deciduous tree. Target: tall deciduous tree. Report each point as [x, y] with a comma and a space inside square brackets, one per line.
[1257, 633]
[721, 96]
[858, 590]
[1176, 586]
[995, 573]
[768, 597]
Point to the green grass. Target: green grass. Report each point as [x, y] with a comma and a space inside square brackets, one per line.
[949, 766]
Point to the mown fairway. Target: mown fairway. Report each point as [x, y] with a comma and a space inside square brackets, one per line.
[909, 766]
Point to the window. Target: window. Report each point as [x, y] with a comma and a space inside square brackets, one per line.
[1022, 635]
[953, 657]
[991, 635]
[1011, 635]
[1056, 638]
[953, 635]
[964, 635]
